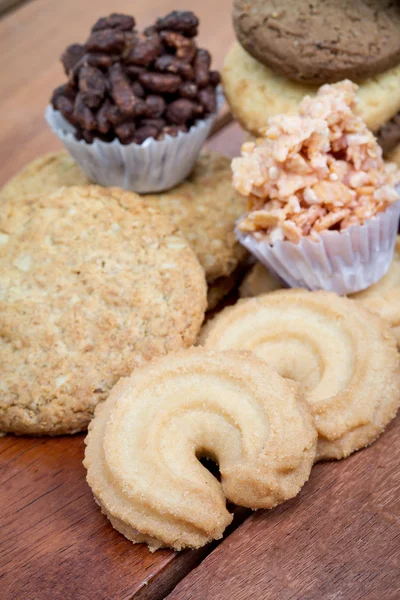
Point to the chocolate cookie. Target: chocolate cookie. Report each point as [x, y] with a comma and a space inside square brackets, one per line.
[323, 40]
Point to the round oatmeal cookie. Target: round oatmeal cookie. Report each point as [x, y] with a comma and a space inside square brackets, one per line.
[92, 283]
[44, 176]
[146, 440]
[343, 356]
[205, 207]
[254, 92]
[323, 41]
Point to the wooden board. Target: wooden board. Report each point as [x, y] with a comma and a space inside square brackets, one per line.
[33, 37]
[55, 543]
[339, 539]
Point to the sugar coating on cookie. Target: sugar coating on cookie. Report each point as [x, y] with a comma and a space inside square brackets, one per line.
[254, 92]
[383, 297]
[322, 41]
[205, 208]
[44, 176]
[145, 442]
[92, 283]
[343, 356]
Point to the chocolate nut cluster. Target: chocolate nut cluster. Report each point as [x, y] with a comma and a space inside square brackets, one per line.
[133, 86]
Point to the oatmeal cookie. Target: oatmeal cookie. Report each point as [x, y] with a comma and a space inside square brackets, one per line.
[205, 207]
[92, 283]
[43, 176]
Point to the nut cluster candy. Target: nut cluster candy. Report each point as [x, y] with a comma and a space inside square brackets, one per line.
[131, 86]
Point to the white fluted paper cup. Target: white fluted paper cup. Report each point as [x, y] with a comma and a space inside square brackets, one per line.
[342, 262]
[153, 166]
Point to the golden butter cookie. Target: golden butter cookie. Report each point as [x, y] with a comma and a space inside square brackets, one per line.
[205, 208]
[254, 92]
[145, 444]
[258, 281]
[343, 356]
[384, 296]
[92, 283]
[44, 176]
[322, 41]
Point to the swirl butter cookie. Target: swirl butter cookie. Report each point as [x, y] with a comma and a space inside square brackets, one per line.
[92, 283]
[254, 92]
[44, 176]
[145, 444]
[343, 356]
[383, 297]
[322, 41]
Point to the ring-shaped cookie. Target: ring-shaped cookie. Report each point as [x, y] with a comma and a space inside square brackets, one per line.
[146, 439]
[343, 356]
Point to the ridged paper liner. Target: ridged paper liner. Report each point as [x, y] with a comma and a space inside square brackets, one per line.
[342, 262]
[153, 166]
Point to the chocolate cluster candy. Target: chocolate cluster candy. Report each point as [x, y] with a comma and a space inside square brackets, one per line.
[131, 86]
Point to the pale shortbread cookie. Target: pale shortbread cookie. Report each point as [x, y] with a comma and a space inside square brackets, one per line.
[92, 283]
[254, 92]
[205, 207]
[44, 176]
[145, 442]
[258, 281]
[384, 296]
[343, 356]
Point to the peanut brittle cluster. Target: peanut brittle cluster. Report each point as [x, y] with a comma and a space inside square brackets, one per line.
[133, 86]
[321, 169]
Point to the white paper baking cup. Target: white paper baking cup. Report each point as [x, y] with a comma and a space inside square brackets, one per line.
[342, 262]
[153, 166]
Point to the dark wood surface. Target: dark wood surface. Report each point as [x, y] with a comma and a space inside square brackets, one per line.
[338, 540]
[54, 541]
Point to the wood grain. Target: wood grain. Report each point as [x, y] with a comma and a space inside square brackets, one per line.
[55, 543]
[338, 540]
[31, 41]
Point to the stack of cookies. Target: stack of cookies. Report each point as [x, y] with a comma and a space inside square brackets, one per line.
[285, 51]
[103, 292]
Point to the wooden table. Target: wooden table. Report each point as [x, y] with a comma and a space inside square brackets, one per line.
[339, 539]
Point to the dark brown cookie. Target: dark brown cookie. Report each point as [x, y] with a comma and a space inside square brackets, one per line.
[320, 41]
